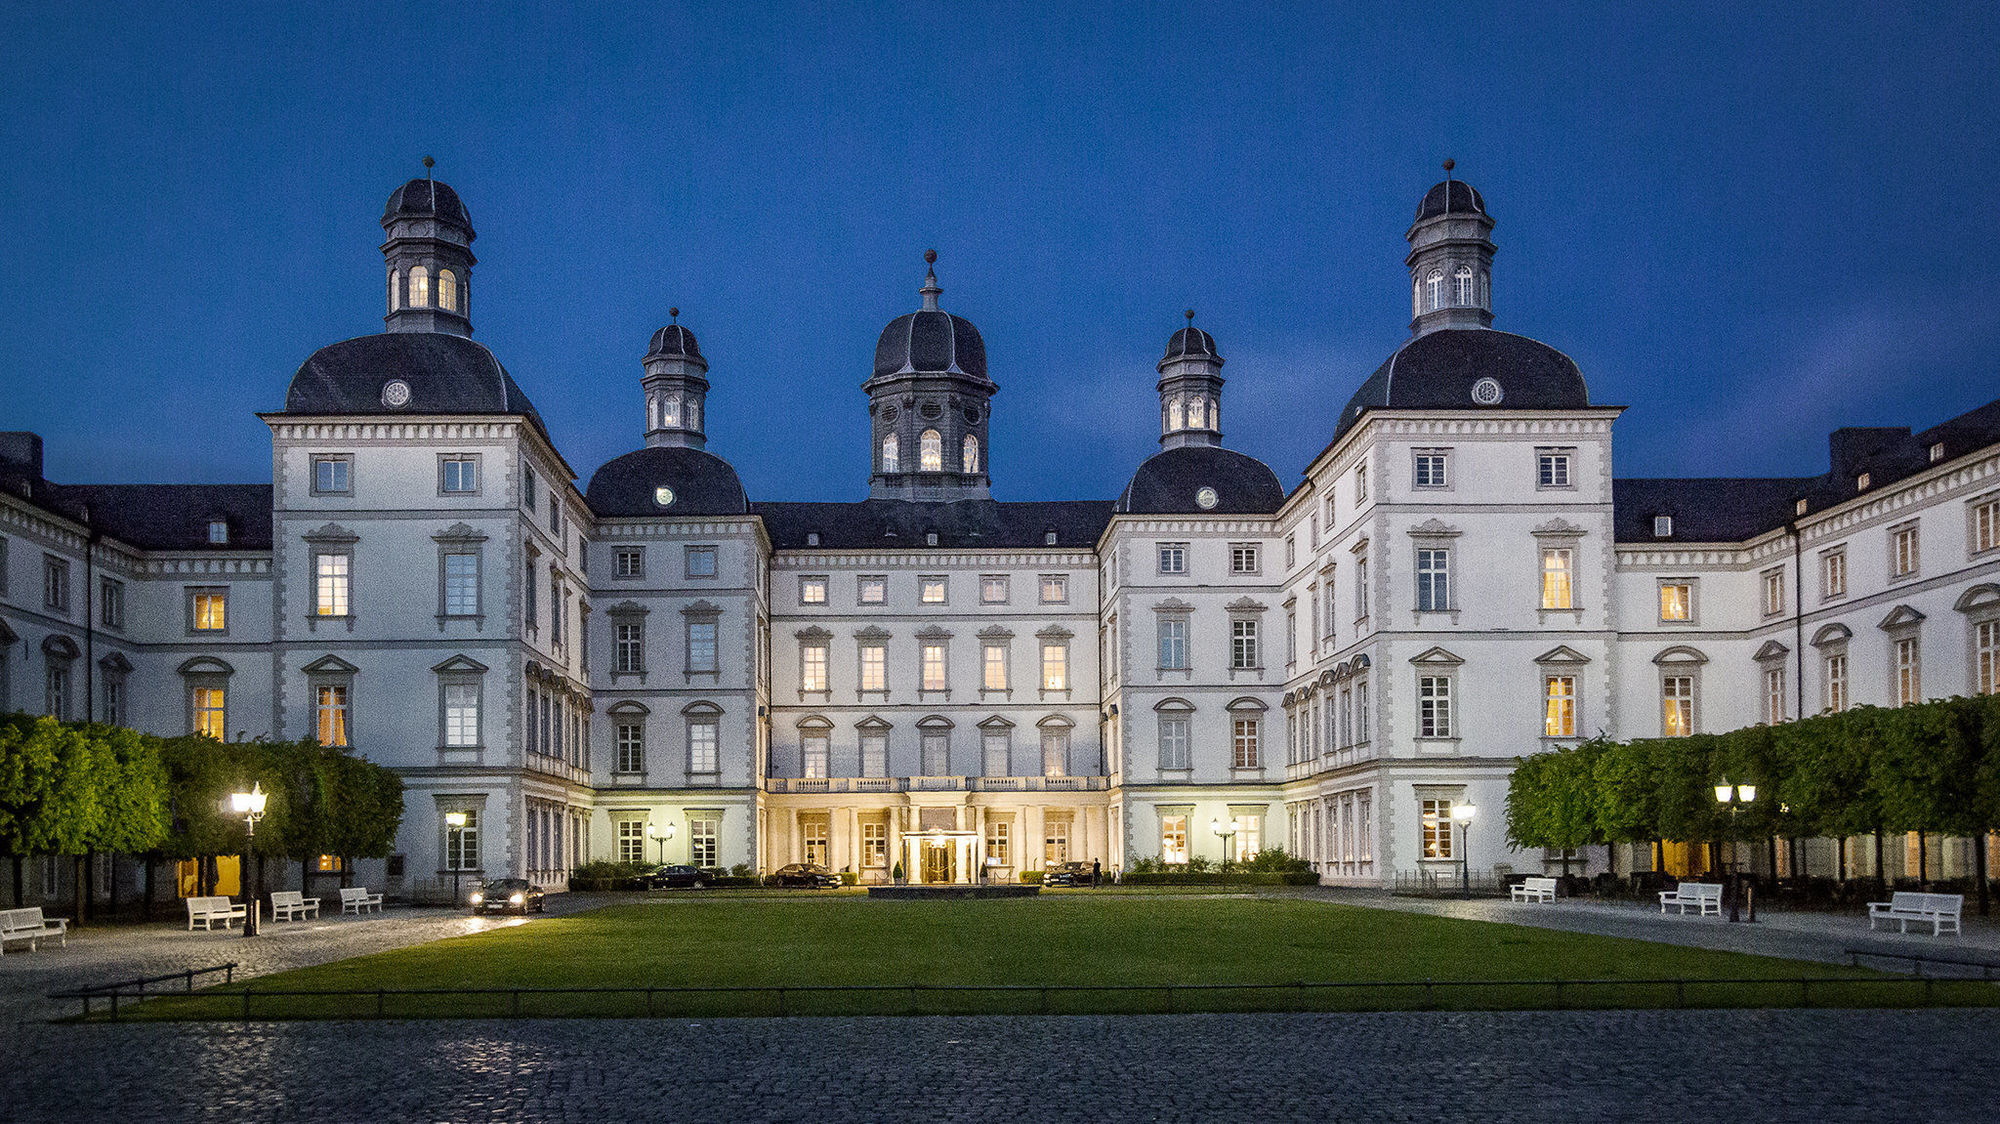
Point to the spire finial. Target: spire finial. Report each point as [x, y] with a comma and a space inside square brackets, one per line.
[675, 313]
[428, 165]
[1449, 164]
[930, 290]
[1189, 313]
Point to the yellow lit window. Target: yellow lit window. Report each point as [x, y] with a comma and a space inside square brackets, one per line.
[1055, 667]
[996, 667]
[1556, 583]
[934, 677]
[210, 705]
[420, 287]
[930, 451]
[332, 715]
[331, 864]
[1560, 719]
[1676, 601]
[447, 290]
[211, 612]
[1677, 700]
[331, 591]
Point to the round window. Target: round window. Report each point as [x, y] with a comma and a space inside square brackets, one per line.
[932, 410]
[1486, 392]
[664, 496]
[1206, 498]
[396, 393]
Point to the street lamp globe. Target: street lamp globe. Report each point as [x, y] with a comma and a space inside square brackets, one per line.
[1747, 793]
[1463, 813]
[1724, 791]
[249, 804]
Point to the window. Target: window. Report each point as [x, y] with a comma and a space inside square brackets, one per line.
[1173, 838]
[631, 841]
[872, 590]
[113, 691]
[1774, 592]
[1559, 706]
[930, 452]
[1557, 586]
[55, 583]
[1431, 467]
[812, 591]
[1433, 579]
[461, 714]
[111, 603]
[331, 710]
[997, 850]
[461, 846]
[1048, 538]
[1909, 678]
[875, 844]
[1243, 740]
[1360, 590]
[1551, 468]
[1243, 653]
[936, 745]
[1903, 551]
[1461, 286]
[933, 667]
[1676, 601]
[1434, 706]
[1174, 741]
[530, 604]
[458, 475]
[1677, 703]
[701, 562]
[815, 831]
[1055, 840]
[210, 708]
[461, 584]
[1862, 482]
[993, 745]
[813, 753]
[1986, 657]
[931, 589]
[1173, 558]
[331, 585]
[420, 287]
[1243, 558]
[874, 667]
[812, 668]
[1055, 666]
[968, 456]
[447, 290]
[702, 757]
[1173, 644]
[631, 562]
[993, 589]
[1361, 712]
[1360, 485]
[703, 833]
[527, 487]
[333, 475]
[1774, 695]
[1937, 452]
[1055, 589]
[218, 532]
[1055, 751]
[1836, 682]
[395, 279]
[629, 654]
[889, 454]
[701, 647]
[1434, 291]
[1436, 817]
[1833, 574]
[1985, 525]
[630, 752]
[874, 753]
[1663, 526]
[994, 674]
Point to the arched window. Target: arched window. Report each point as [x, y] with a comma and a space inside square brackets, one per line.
[968, 458]
[1461, 286]
[889, 453]
[1174, 414]
[670, 411]
[694, 413]
[447, 290]
[1485, 290]
[394, 277]
[1434, 291]
[420, 287]
[930, 452]
[1197, 413]
[1416, 298]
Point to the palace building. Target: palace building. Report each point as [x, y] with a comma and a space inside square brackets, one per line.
[649, 663]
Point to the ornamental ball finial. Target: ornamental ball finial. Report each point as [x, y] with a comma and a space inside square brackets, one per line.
[1449, 163]
[1189, 313]
[930, 257]
[675, 313]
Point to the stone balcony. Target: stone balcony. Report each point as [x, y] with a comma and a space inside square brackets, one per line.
[937, 784]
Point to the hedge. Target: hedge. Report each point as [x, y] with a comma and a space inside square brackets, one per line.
[1216, 878]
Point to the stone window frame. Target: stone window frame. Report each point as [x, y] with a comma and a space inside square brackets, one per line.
[928, 727]
[623, 615]
[939, 638]
[1437, 664]
[474, 806]
[1002, 638]
[1253, 710]
[1827, 557]
[1053, 636]
[1895, 533]
[110, 603]
[1768, 579]
[190, 593]
[1679, 661]
[990, 728]
[861, 589]
[1180, 710]
[478, 474]
[1904, 623]
[865, 639]
[1442, 456]
[810, 727]
[204, 672]
[809, 583]
[1559, 534]
[459, 539]
[629, 714]
[873, 726]
[458, 671]
[1773, 658]
[330, 541]
[698, 614]
[1978, 604]
[1693, 585]
[621, 555]
[1831, 640]
[701, 550]
[332, 671]
[1060, 582]
[1246, 611]
[1180, 612]
[986, 581]
[1060, 728]
[702, 712]
[943, 585]
[113, 671]
[809, 638]
[314, 460]
[1246, 559]
[1987, 503]
[1563, 455]
[1175, 553]
[56, 593]
[1433, 535]
[1561, 661]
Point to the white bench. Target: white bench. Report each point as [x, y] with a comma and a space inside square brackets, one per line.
[209, 910]
[29, 925]
[1535, 890]
[354, 899]
[1706, 897]
[292, 905]
[1906, 906]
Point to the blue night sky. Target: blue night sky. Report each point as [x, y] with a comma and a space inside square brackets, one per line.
[1748, 227]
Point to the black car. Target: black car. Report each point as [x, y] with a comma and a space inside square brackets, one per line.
[508, 895]
[809, 875]
[676, 877]
[1067, 874]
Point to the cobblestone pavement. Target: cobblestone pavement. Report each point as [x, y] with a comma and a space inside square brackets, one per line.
[1821, 1067]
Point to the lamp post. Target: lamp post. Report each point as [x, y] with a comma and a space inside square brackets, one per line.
[1463, 813]
[1227, 833]
[250, 805]
[456, 822]
[660, 835]
[1733, 796]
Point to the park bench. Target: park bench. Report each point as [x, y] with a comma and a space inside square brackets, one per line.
[1905, 906]
[1535, 890]
[354, 899]
[292, 905]
[29, 925]
[1706, 897]
[209, 910]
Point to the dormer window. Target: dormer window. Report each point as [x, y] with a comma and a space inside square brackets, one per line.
[1861, 482]
[1048, 538]
[1799, 508]
[1663, 526]
[218, 532]
[930, 538]
[812, 538]
[1937, 452]
[420, 287]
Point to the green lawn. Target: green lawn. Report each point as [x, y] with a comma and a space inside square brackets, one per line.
[1071, 942]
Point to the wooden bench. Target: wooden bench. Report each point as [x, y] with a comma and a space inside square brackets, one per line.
[354, 899]
[1535, 890]
[1706, 897]
[292, 905]
[209, 910]
[1905, 906]
[29, 925]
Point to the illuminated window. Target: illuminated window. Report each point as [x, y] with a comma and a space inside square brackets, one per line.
[1197, 415]
[1173, 839]
[993, 589]
[872, 589]
[934, 667]
[1559, 698]
[461, 847]
[211, 712]
[1055, 589]
[420, 287]
[1676, 601]
[968, 457]
[812, 590]
[331, 573]
[447, 290]
[1909, 678]
[1436, 818]
[208, 610]
[703, 834]
[1174, 415]
[670, 411]
[1055, 840]
[1055, 751]
[1055, 666]
[812, 668]
[993, 674]
[1836, 682]
[1557, 585]
[631, 841]
[1985, 526]
[1774, 592]
[331, 708]
[461, 714]
[1677, 706]
[931, 590]
[874, 667]
[997, 849]
[813, 753]
[394, 279]
[815, 833]
[1461, 286]
[889, 453]
[1434, 719]
[1986, 648]
[1774, 695]
[930, 452]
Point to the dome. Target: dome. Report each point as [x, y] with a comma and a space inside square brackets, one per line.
[406, 373]
[1175, 482]
[697, 481]
[673, 342]
[1192, 341]
[426, 199]
[1469, 369]
[930, 342]
[1455, 197]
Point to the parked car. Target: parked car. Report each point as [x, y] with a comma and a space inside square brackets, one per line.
[1066, 874]
[809, 875]
[675, 876]
[508, 895]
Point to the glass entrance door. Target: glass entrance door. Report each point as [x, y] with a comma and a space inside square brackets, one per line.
[938, 855]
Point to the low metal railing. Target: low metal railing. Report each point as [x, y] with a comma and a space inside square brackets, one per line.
[115, 991]
[1988, 970]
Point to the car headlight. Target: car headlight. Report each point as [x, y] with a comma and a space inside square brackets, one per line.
[477, 898]
[517, 899]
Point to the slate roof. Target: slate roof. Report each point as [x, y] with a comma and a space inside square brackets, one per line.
[1191, 341]
[963, 524]
[703, 484]
[1166, 484]
[447, 374]
[1437, 370]
[427, 198]
[930, 342]
[176, 516]
[1450, 197]
[673, 340]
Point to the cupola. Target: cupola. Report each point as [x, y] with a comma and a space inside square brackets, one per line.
[929, 401]
[1451, 259]
[676, 387]
[1190, 389]
[429, 258]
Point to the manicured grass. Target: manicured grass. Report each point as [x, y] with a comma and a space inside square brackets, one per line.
[1072, 943]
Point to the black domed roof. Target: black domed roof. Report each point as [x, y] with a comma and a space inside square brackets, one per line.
[701, 483]
[1440, 371]
[1192, 341]
[929, 341]
[1171, 482]
[1450, 197]
[440, 373]
[674, 340]
[427, 198]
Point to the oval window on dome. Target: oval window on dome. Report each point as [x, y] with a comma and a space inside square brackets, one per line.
[1486, 392]
[396, 393]
[1205, 498]
[664, 496]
